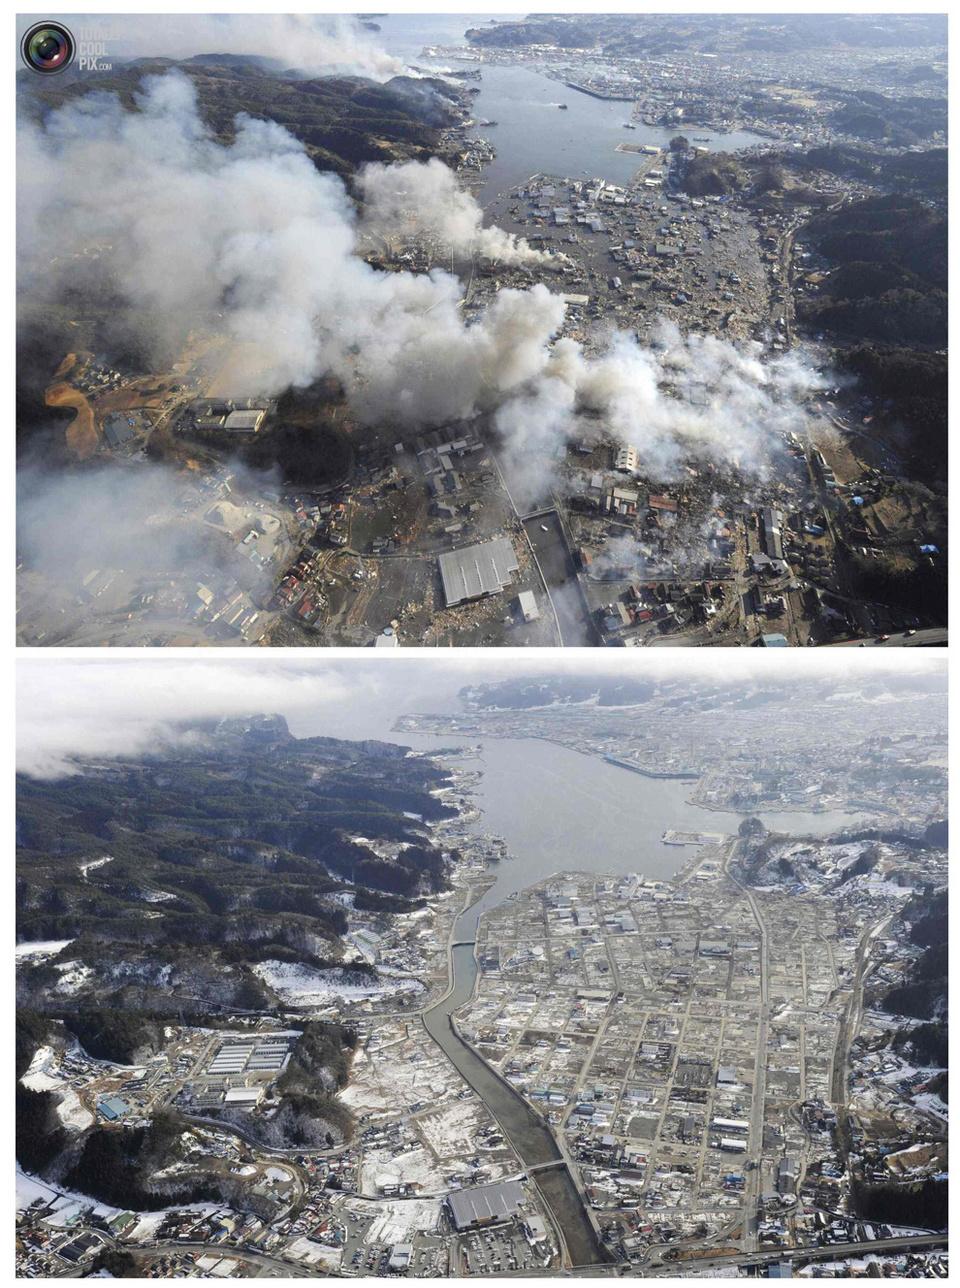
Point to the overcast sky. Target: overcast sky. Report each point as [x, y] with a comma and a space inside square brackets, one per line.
[69, 706]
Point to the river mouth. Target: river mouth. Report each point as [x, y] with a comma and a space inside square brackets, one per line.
[557, 809]
[534, 136]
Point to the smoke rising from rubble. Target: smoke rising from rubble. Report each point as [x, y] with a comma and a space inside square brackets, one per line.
[425, 199]
[133, 519]
[249, 239]
[147, 529]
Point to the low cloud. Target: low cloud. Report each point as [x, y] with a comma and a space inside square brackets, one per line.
[71, 708]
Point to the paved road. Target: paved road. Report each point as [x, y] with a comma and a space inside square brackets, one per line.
[276, 1264]
[932, 638]
[832, 1253]
[533, 554]
[172, 1248]
[751, 1196]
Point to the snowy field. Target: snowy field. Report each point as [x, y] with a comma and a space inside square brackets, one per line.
[451, 1132]
[398, 1073]
[399, 1221]
[38, 949]
[300, 985]
[416, 1167]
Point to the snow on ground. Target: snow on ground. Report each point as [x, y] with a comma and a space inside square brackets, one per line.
[451, 1132]
[73, 976]
[150, 1222]
[411, 1167]
[840, 856]
[44, 1071]
[872, 883]
[399, 1221]
[932, 1104]
[315, 1255]
[94, 863]
[365, 942]
[37, 949]
[302, 985]
[839, 1269]
[72, 1112]
[399, 1073]
[68, 1203]
[906, 1231]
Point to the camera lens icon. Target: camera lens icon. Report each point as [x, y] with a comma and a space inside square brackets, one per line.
[48, 47]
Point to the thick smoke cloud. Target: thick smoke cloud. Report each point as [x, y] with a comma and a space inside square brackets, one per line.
[247, 238]
[424, 199]
[146, 521]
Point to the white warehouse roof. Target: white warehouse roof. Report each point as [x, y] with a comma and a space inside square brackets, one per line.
[479, 570]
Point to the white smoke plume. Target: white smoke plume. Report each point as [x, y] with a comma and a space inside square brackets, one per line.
[424, 199]
[248, 239]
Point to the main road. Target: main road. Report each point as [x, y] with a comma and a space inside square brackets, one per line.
[934, 637]
[831, 1252]
[751, 1197]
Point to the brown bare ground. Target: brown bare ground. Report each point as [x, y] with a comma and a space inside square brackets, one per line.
[68, 363]
[695, 1254]
[81, 434]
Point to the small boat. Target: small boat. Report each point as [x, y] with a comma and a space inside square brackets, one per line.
[562, 107]
[629, 125]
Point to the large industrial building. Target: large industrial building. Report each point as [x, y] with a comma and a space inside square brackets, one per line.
[485, 1204]
[244, 422]
[256, 1058]
[476, 571]
[226, 416]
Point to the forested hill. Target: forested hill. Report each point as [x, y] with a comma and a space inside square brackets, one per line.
[884, 305]
[342, 121]
[240, 844]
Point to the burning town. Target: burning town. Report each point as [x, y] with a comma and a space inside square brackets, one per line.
[371, 351]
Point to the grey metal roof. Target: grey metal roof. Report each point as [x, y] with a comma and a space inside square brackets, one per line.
[477, 570]
[485, 1203]
[244, 419]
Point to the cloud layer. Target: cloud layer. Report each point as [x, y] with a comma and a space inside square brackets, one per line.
[70, 707]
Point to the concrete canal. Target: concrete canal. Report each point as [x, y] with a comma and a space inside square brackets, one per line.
[524, 1128]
